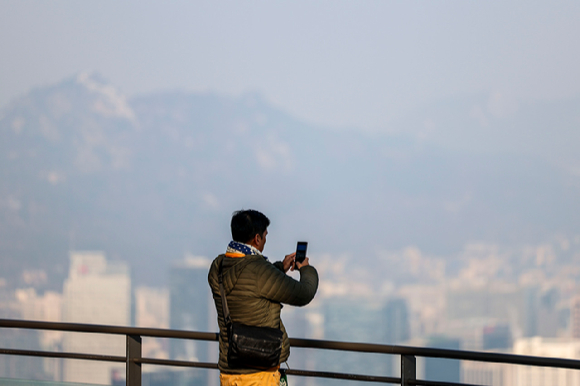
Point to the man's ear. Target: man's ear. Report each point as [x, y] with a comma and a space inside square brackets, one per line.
[254, 242]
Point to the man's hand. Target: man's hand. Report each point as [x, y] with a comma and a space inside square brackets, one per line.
[289, 261]
[298, 265]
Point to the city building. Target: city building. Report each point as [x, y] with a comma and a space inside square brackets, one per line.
[394, 328]
[152, 310]
[575, 317]
[190, 306]
[96, 291]
[545, 376]
[547, 317]
[46, 307]
[352, 319]
[443, 370]
[497, 337]
[395, 321]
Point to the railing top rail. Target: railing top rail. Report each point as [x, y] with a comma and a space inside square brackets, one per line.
[478, 356]
[304, 343]
[106, 329]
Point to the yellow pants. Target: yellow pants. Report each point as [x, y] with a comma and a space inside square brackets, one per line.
[263, 378]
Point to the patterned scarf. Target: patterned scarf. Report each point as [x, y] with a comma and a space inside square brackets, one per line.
[235, 247]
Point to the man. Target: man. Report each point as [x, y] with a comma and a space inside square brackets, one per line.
[255, 289]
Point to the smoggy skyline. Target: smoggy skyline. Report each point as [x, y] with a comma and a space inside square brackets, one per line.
[472, 108]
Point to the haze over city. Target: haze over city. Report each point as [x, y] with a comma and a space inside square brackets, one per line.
[428, 151]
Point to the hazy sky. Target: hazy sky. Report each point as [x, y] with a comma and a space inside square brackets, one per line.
[337, 63]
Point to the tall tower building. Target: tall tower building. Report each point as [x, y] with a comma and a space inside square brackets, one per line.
[439, 369]
[96, 292]
[394, 329]
[396, 321]
[575, 317]
[189, 306]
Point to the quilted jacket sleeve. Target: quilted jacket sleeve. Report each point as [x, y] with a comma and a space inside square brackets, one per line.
[276, 286]
[279, 265]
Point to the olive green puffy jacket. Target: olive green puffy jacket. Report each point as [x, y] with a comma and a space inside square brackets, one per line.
[255, 289]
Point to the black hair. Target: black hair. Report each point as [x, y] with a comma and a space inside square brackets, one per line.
[248, 223]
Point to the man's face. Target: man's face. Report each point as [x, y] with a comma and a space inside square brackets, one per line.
[262, 241]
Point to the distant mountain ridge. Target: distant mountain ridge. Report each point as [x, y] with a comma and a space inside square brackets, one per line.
[149, 178]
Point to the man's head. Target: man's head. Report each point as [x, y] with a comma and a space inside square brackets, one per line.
[250, 227]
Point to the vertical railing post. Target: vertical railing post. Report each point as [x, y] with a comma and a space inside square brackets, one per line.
[408, 369]
[133, 368]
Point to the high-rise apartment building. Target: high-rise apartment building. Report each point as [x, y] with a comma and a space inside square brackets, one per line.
[96, 291]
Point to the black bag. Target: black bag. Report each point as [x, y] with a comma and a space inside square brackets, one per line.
[250, 346]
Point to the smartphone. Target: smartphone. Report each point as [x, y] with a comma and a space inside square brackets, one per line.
[301, 251]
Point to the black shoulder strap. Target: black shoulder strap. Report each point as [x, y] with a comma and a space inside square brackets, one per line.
[226, 310]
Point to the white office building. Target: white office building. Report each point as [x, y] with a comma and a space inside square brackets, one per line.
[97, 291]
[546, 376]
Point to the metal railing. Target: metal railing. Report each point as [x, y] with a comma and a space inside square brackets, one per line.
[133, 359]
